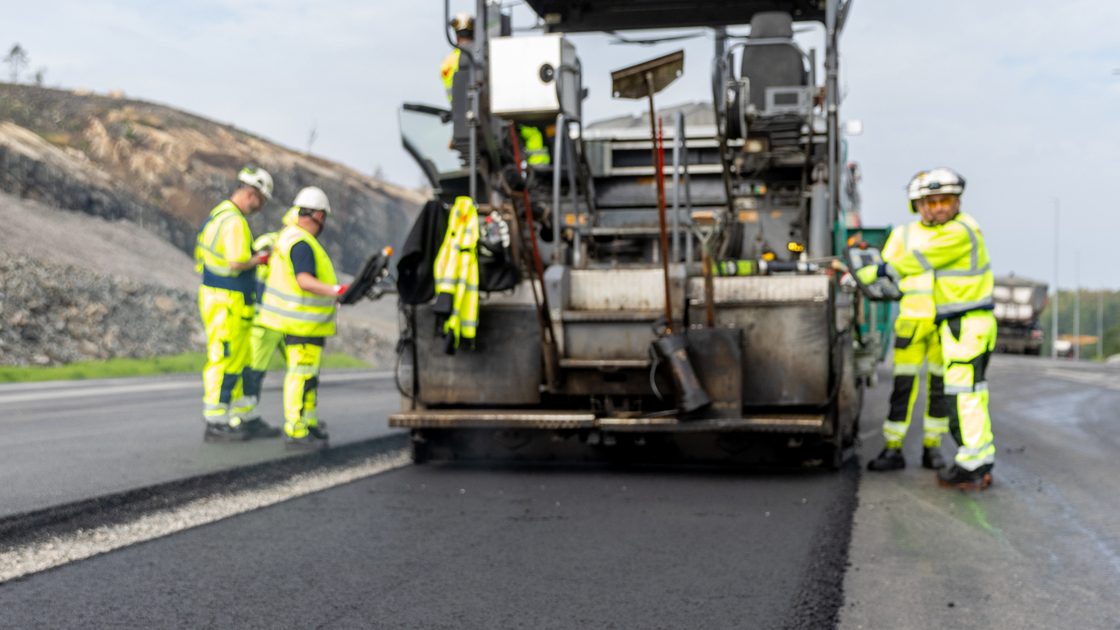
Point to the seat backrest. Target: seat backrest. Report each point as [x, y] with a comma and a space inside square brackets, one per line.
[771, 65]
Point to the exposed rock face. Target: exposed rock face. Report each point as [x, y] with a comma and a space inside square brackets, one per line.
[165, 170]
[51, 315]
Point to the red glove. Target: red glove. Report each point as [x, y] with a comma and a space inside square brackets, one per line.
[262, 257]
[339, 289]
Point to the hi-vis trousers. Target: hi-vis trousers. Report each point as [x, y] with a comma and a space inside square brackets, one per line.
[227, 319]
[967, 342]
[301, 384]
[917, 341]
[263, 343]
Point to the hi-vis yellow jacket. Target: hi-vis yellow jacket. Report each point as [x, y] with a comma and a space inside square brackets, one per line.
[456, 269]
[225, 238]
[962, 272]
[448, 69]
[288, 308]
[917, 290]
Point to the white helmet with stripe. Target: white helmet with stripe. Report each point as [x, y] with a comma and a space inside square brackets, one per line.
[257, 178]
[938, 181]
[312, 198]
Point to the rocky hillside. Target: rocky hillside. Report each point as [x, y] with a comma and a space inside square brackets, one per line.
[165, 169]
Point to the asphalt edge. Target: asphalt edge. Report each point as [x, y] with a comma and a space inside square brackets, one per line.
[121, 507]
[820, 596]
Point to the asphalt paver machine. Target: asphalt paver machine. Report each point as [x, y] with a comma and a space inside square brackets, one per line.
[680, 295]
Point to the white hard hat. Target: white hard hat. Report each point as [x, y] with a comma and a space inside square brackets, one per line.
[463, 22]
[312, 198]
[938, 181]
[257, 178]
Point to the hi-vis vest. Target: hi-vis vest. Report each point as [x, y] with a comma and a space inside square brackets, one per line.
[534, 145]
[962, 273]
[917, 290]
[210, 255]
[288, 308]
[456, 269]
[263, 242]
[448, 69]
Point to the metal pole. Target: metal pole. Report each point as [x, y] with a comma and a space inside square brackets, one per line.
[678, 130]
[1054, 312]
[557, 167]
[573, 191]
[1077, 305]
[832, 107]
[658, 157]
[688, 252]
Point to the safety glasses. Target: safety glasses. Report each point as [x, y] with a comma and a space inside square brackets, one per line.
[933, 203]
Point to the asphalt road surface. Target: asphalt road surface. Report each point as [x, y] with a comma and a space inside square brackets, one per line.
[67, 441]
[452, 547]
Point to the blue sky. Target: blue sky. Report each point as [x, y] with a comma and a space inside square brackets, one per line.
[1019, 96]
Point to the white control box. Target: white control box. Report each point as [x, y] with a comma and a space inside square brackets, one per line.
[533, 79]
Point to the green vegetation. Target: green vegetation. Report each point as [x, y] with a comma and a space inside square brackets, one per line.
[115, 368]
[1089, 300]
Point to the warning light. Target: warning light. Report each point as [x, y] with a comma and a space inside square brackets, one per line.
[768, 256]
[796, 247]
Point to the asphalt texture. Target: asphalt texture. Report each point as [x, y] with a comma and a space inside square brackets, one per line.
[1040, 548]
[62, 442]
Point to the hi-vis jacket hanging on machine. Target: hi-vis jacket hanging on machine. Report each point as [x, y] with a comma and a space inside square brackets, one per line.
[456, 270]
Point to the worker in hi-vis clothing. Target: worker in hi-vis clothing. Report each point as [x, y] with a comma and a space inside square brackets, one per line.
[263, 342]
[300, 302]
[225, 257]
[464, 35]
[915, 341]
[962, 298]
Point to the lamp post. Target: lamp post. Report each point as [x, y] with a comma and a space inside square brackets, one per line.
[1054, 312]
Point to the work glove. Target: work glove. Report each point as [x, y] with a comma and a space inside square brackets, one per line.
[262, 257]
[868, 275]
[503, 228]
[339, 289]
[848, 282]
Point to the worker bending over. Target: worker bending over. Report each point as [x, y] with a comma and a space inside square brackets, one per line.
[300, 303]
[962, 298]
[263, 342]
[916, 340]
[225, 257]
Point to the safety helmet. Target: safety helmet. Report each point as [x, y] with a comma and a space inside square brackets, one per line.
[312, 198]
[938, 181]
[257, 178]
[463, 23]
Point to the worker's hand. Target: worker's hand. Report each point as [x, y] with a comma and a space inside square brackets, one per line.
[261, 258]
[868, 274]
[339, 289]
[848, 282]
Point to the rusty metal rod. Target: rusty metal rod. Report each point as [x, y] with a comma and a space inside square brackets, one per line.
[658, 162]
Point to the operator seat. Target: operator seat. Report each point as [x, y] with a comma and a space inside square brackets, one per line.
[771, 65]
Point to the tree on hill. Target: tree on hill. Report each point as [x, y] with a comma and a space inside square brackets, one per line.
[17, 61]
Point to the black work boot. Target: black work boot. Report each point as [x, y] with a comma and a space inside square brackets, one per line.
[315, 439]
[932, 458]
[224, 433]
[957, 477]
[258, 428]
[889, 459]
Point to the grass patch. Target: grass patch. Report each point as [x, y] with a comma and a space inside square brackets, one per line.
[173, 364]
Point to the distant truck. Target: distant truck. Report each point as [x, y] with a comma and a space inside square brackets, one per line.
[1018, 304]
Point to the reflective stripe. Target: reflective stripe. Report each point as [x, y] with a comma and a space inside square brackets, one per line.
[922, 260]
[961, 273]
[894, 431]
[944, 311]
[936, 369]
[317, 318]
[214, 407]
[938, 425]
[299, 299]
[907, 369]
[974, 451]
[918, 291]
[951, 390]
[303, 370]
[975, 251]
